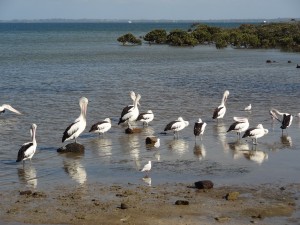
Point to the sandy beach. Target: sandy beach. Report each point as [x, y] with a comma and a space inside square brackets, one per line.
[163, 204]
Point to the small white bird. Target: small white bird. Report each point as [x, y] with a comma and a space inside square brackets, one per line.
[146, 117]
[199, 128]
[147, 167]
[248, 108]
[176, 125]
[255, 133]
[78, 126]
[221, 109]
[8, 107]
[101, 127]
[241, 125]
[28, 149]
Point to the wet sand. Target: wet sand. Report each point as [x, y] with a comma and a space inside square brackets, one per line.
[140, 204]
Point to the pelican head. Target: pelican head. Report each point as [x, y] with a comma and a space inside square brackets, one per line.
[260, 126]
[32, 130]
[199, 120]
[180, 119]
[150, 111]
[137, 99]
[225, 95]
[107, 120]
[132, 95]
[83, 102]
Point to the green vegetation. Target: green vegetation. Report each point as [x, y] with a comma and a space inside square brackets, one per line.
[284, 36]
[129, 39]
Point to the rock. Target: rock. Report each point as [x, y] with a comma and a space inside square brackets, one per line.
[133, 130]
[268, 61]
[204, 184]
[27, 192]
[232, 196]
[222, 219]
[72, 147]
[289, 61]
[182, 202]
[124, 206]
[151, 140]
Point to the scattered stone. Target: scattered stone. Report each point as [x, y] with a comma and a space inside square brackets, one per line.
[27, 192]
[222, 219]
[289, 61]
[232, 196]
[204, 184]
[182, 202]
[124, 206]
[268, 61]
[133, 130]
[38, 194]
[282, 188]
[72, 147]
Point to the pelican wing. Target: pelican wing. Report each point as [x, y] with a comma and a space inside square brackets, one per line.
[126, 113]
[72, 129]
[172, 125]
[198, 127]
[218, 111]
[10, 108]
[23, 151]
[286, 121]
[233, 126]
[252, 132]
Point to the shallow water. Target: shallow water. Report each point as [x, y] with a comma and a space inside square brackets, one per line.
[45, 71]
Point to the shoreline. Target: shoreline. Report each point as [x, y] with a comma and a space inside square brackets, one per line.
[140, 204]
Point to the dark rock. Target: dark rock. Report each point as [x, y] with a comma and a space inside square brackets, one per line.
[182, 202]
[222, 219]
[289, 61]
[133, 130]
[232, 196]
[268, 61]
[27, 192]
[38, 194]
[204, 184]
[123, 206]
[72, 147]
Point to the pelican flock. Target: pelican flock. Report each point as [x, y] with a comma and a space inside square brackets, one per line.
[221, 109]
[78, 126]
[28, 149]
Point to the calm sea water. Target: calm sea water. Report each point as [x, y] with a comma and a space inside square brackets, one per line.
[46, 68]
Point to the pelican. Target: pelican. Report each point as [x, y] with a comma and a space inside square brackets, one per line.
[146, 117]
[28, 149]
[101, 127]
[130, 113]
[78, 126]
[176, 125]
[248, 108]
[8, 107]
[147, 167]
[221, 109]
[255, 133]
[199, 128]
[241, 125]
[286, 120]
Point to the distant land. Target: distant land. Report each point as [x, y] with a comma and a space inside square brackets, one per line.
[58, 20]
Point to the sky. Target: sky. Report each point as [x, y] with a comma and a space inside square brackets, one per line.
[149, 9]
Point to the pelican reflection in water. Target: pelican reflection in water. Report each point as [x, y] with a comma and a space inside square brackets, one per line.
[238, 148]
[103, 147]
[28, 176]
[199, 151]
[179, 146]
[75, 170]
[256, 156]
[286, 140]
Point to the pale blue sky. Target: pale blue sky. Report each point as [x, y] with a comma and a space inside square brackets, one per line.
[149, 9]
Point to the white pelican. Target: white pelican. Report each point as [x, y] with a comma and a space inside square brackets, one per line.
[286, 120]
[146, 117]
[78, 126]
[176, 125]
[101, 127]
[248, 108]
[147, 167]
[199, 128]
[130, 113]
[28, 149]
[221, 109]
[241, 125]
[255, 133]
[8, 107]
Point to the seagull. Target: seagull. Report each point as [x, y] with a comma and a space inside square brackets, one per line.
[78, 126]
[28, 149]
[241, 125]
[255, 133]
[221, 109]
[130, 113]
[146, 117]
[248, 108]
[101, 127]
[8, 107]
[199, 128]
[147, 167]
[176, 125]
[286, 120]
